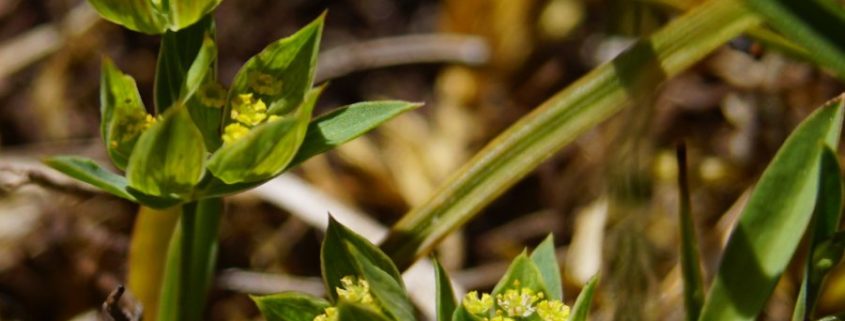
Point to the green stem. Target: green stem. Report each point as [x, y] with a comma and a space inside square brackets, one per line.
[190, 261]
[557, 122]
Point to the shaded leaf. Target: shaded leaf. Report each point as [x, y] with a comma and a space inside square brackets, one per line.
[546, 260]
[169, 157]
[581, 307]
[289, 306]
[690, 262]
[266, 149]
[337, 259]
[772, 224]
[388, 291]
[816, 24]
[445, 294]
[185, 60]
[122, 110]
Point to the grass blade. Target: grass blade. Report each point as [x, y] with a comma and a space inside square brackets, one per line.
[816, 24]
[690, 266]
[773, 222]
[581, 106]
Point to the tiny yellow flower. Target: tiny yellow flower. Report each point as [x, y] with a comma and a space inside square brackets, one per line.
[476, 305]
[264, 84]
[212, 95]
[233, 132]
[330, 314]
[518, 303]
[355, 290]
[499, 317]
[552, 310]
[273, 118]
[248, 110]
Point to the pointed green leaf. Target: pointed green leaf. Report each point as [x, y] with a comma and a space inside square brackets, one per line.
[282, 74]
[289, 306]
[522, 273]
[773, 222]
[546, 260]
[169, 157]
[461, 314]
[92, 173]
[324, 133]
[388, 291]
[347, 123]
[337, 260]
[445, 294]
[266, 149]
[816, 24]
[825, 222]
[186, 59]
[356, 312]
[581, 308]
[123, 115]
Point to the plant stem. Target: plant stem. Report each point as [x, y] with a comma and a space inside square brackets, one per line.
[557, 122]
[147, 253]
[190, 261]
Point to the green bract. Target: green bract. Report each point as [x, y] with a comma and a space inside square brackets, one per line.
[154, 16]
[207, 141]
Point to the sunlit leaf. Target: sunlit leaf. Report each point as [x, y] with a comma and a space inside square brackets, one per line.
[265, 150]
[546, 260]
[289, 306]
[282, 74]
[169, 157]
[772, 224]
[123, 115]
[153, 16]
[522, 273]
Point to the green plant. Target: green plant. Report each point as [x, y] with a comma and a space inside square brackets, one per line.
[363, 284]
[203, 141]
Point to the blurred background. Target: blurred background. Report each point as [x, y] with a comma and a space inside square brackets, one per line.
[610, 198]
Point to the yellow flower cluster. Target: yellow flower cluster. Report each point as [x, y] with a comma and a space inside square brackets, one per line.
[131, 125]
[247, 112]
[352, 290]
[514, 304]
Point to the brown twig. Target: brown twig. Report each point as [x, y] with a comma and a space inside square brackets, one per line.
[402, 50]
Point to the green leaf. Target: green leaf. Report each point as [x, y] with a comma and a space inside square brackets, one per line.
[324, 133]
[168, 158]
[546, 260]
[122, 110]
[461, 314]
[581, 308]
[289, 306]
[773, 222]
[388, 291]
[445, 294]
[186, 58]
[522, 273]
[560, 120]
[816, 24]
[347, 123]
[282, 74]
[92, 173]
[153, 16]
[337, 259]
[137, 15]
[356, 312]
[690, 262]
[266, 150]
